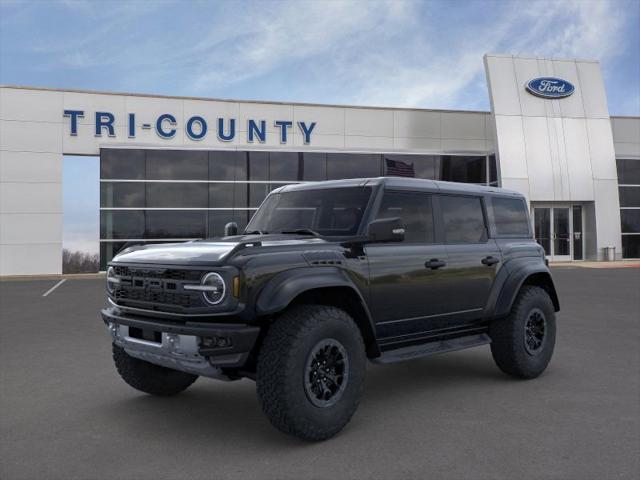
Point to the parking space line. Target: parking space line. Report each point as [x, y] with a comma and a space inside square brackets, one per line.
[54, 287]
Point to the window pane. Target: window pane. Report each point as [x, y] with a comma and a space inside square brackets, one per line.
[257, 193]
[463, 169]
[177, 195]
[258, 166]
[493, 170]
[629, 196]
[415, 212]
[219, 218]
[125, 164]
[352, 165]
[221, 195]
[177, 165]
[631, 246]
[176, 224]
[463, 219]
[121, 224]
[284, 166]
[227, 165]
[630, 221]
[107, 252]
[628, 171]
[314, 167]
[510, 216]
[120, 195]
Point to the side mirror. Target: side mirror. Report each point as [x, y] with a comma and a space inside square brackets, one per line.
[230, 229]
[385, 230]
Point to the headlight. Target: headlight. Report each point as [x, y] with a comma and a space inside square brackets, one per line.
[112, 280]
[212, 288]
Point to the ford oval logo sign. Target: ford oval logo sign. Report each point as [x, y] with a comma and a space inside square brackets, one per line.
[550, 87]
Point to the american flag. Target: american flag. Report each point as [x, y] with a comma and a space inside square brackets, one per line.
[397, 168]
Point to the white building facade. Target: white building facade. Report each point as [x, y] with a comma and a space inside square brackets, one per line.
[175, 168]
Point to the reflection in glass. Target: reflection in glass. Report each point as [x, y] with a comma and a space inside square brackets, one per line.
[628, 171]
[577, 232]
[177, 195]
[630, 221]
[258, 166]
[177, 165]
[285, 166]
[561, 239]
[119, 195]
[510, 216]
[176, 224]
[121, 224]
[631, 246]
[314, 166]
[629, 196]
[414, 210]
[227, 165]
[219, 218]
[463, 219]
[124, 164]
[353, 165]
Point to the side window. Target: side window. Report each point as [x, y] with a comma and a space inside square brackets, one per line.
[463, 219]
[414, 209]
[510, 217]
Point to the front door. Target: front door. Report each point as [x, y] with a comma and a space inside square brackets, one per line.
[558, 229]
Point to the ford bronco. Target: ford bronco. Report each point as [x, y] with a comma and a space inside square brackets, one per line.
[327, 276]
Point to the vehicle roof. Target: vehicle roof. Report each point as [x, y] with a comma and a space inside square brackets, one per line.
[402, 183]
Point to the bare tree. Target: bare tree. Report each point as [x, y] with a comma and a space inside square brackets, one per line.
[79, 262]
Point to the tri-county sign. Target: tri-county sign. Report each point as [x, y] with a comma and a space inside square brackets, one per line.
[550, 87]
[196, 127]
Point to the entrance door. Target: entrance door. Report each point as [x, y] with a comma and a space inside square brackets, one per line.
[559, 231]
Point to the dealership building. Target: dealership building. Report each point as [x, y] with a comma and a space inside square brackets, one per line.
[178, 168]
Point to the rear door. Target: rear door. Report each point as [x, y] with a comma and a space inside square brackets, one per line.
[406, 286]
[473, 258]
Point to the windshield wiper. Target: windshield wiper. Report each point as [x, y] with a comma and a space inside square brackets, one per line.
[302, 231]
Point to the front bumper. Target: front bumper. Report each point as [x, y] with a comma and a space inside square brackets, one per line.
[194, 347]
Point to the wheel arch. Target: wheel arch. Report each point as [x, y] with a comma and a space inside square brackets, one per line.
[324, 286]
[525, 274]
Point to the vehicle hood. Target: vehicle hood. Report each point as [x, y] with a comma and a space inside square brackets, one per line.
[209, 251]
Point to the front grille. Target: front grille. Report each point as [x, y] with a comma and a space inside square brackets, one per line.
[157, 288]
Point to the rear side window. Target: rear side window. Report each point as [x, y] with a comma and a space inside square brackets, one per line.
[510, 217]
[463, 219]
[414, 210]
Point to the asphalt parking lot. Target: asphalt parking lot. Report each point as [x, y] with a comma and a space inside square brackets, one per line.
[65, 413]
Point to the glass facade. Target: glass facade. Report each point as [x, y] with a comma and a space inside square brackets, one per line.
[151, 196]
[629, 191]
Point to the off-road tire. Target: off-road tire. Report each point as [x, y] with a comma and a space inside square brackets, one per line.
[508, 344]
[282, 368]
[150, 378]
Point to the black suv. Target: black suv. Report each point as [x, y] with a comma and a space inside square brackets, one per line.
[325, 276]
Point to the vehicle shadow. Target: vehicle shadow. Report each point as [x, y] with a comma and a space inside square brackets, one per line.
[211, 412]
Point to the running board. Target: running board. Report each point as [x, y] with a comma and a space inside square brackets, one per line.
[432, 348]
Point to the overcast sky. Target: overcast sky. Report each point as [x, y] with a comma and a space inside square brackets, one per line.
[391, 53]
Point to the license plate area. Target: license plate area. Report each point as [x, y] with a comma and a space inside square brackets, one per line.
[145, 334]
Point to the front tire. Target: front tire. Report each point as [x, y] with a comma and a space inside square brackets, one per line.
[150, 378]
[522, 343]
[311, 371]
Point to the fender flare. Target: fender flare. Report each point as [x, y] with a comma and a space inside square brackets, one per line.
[519, 271]
[284, 287]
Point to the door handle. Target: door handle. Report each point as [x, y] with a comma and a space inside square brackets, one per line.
[434, 264]
[488, 261]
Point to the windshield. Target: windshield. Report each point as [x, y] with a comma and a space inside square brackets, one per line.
[328, 212]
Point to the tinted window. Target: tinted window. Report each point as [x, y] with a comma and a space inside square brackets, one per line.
[629, 196]
[122, 224]
[122, 164]
[352, 165]
[258, 166]
[284, 166]
[510, 216]
[418, 166]
[630, 221]
[227, 165]
[177, 195]
[463, 169]
[463, 219]
[631, 246]
[493, 170]
[329, 211]
[177, 165]
[314, 166]
[628, 171]
[414, 209]
[176, 224]
[120, 195]
[257, 193]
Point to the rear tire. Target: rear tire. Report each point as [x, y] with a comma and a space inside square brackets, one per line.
[150, 378]
[311, 371]
[522, 343]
